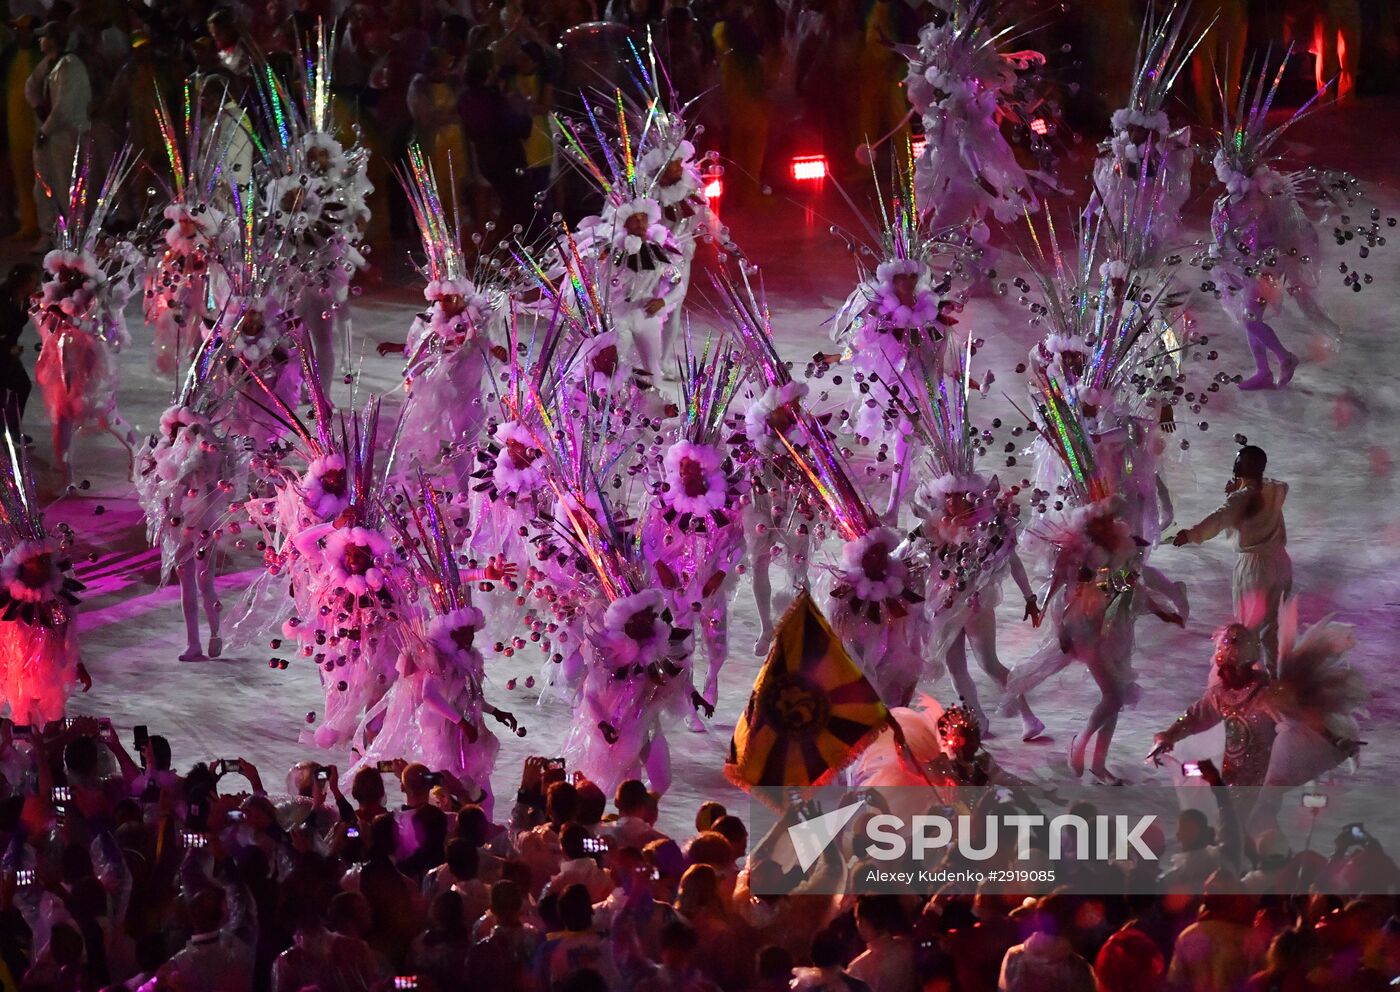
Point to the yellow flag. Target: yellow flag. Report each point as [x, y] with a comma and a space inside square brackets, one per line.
[811, 712]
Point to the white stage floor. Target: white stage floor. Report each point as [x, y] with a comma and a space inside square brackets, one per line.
[1331, 436]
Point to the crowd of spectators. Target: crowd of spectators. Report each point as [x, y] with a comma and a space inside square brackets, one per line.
[120, 873]
[477, 80]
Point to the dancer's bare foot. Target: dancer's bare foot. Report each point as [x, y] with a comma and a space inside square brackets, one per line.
[1076, 757]
[1286, 368]
[1263, 379]
[764, 642]
[193, 653]
[1105, 777]
[216, 646]
[1031, 728]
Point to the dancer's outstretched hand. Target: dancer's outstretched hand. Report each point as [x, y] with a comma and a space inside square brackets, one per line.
[1181, 539]
[1161, 745]
[1033, 613]
[497, 570]
[84, 679]
[507, 718]
[701, 704]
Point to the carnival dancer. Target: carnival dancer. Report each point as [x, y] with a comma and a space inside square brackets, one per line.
[1142, 178]
[39, 660]
[874, 593]
[254, 317]
[1096, 590]
[324, 534]
[669, 167]
[970, 526]
[964, 88]
[636, 659]
[693, 527]
[637, 251]
[896, 319]
[1263, 576]
[1264, 244]
[446, 354]
[185, 484]
[88, 278]
[320, 190]
[780, 516]
[179, 294]
[1282, 730]
[435, 711]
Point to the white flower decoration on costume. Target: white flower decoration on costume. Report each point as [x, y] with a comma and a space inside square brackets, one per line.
[74, 281]
[890, 310]
[1237, 183]
[451, 634]
[654, 163]
[29, 574]
[600, 361]
[518, 464]
[353, 556]
[930, 502]
[1105, 516]
[326, 486]
[190, 229]
[869, 567]
[459, 309]
[253, 336]
[1114, 270]
[324, 156]
[1124, 147]
[756, 419]
[695, 478]
[634, 632]
[616, 216]
[179, 454]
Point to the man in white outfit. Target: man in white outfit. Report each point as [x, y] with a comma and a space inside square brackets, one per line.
[59, 91]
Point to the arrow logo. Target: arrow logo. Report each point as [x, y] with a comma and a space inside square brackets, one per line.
[811, 837]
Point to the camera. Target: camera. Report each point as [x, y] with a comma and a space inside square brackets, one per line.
[1314, 800]
[1190, 769]
[322, 773]
[384, 766]
[431, 779]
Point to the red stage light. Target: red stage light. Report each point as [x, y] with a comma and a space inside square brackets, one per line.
[713, 189]
[1040, 126]
[806, 168]
[917, 146]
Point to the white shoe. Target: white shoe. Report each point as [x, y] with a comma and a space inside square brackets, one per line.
[1263, 379]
